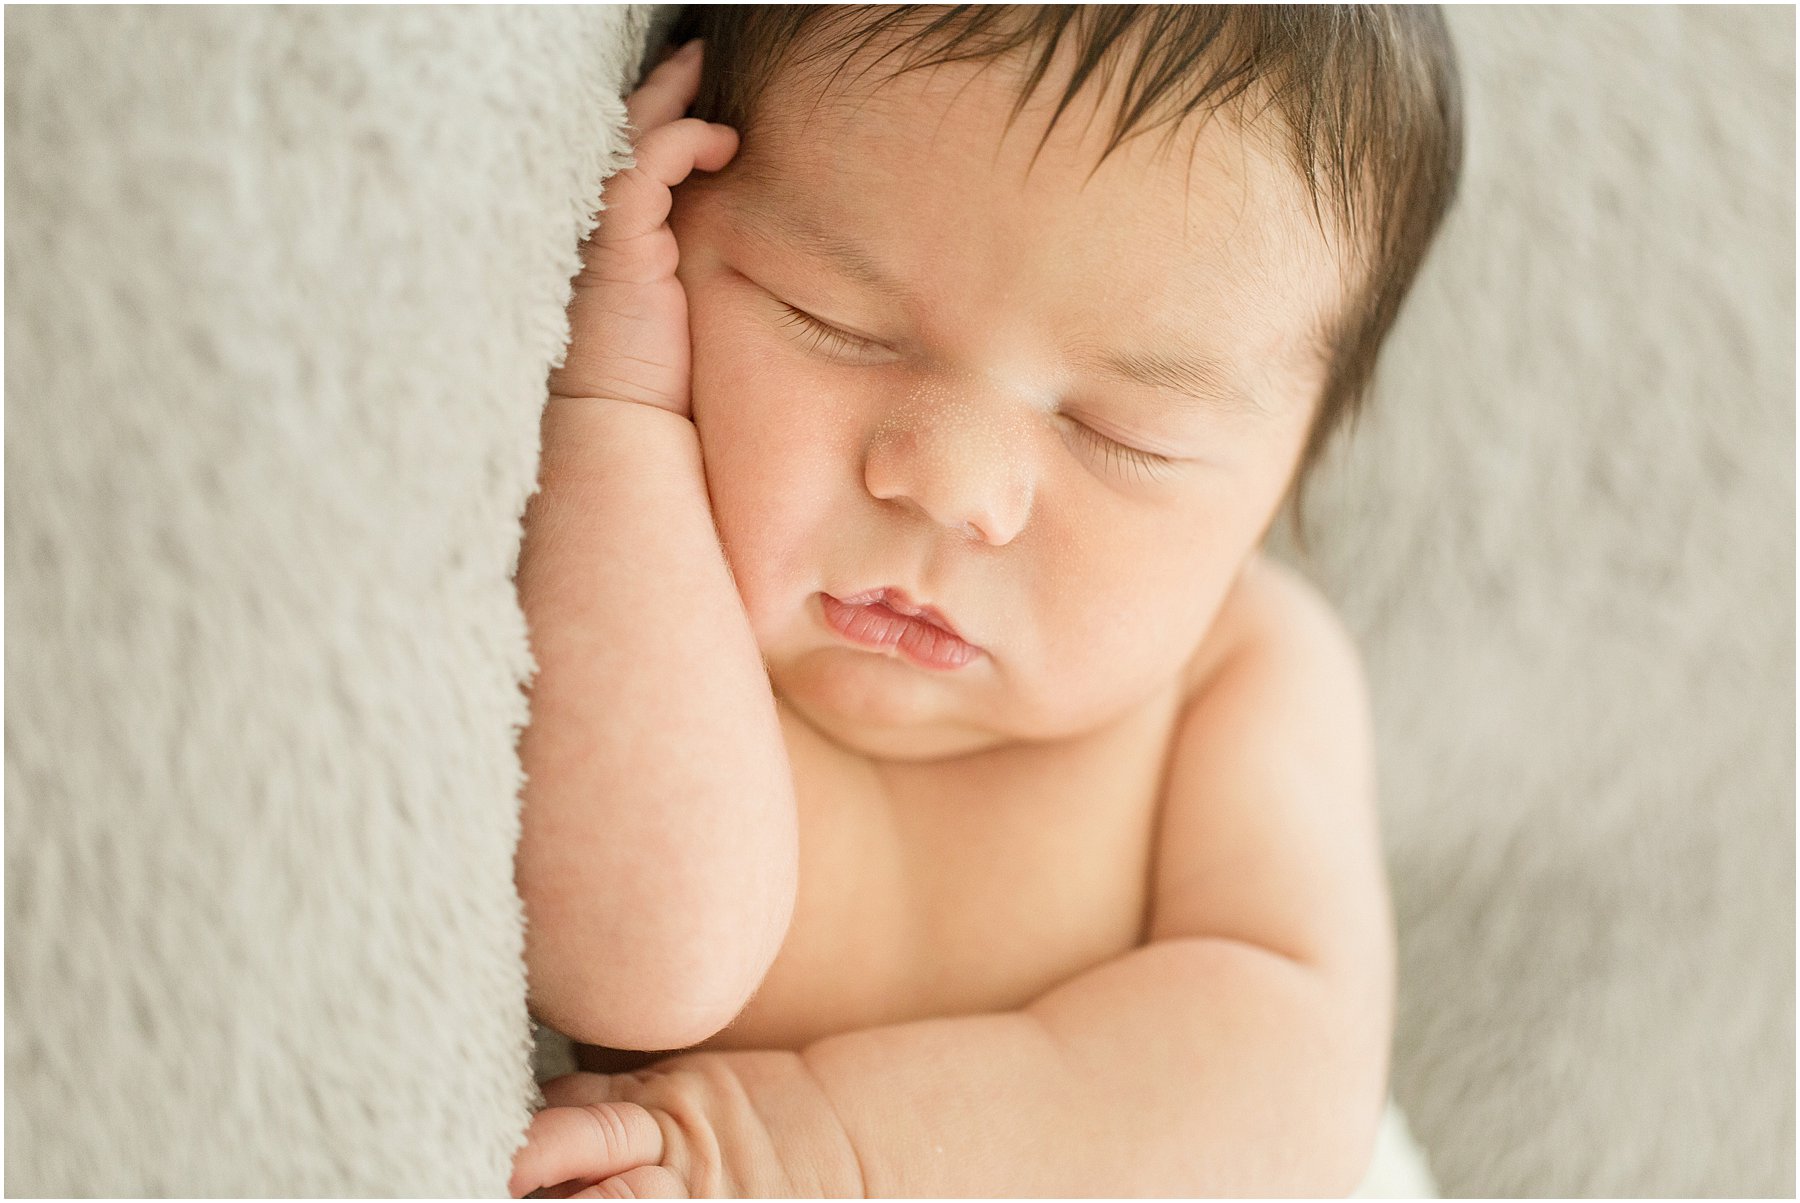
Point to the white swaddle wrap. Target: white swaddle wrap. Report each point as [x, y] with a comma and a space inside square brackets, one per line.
[1398, 1169]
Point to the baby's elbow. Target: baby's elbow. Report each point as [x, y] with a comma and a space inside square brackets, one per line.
[674, 999]
[670, 980]
[664, 1026]
[646, 1014]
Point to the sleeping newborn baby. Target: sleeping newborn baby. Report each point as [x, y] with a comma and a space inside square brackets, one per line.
[933, 788]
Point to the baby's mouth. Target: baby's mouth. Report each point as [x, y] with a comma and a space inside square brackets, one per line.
[884, 618]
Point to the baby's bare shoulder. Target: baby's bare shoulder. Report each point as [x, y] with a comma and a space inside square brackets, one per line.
[1272, 611]
[1268, 828]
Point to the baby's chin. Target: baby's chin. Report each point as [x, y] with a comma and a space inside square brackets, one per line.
[878, 706]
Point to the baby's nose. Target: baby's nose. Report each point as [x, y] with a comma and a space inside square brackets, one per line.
[963, 465]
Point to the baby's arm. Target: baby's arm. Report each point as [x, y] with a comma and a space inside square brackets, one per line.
[1241, 1052]
[1244, 1049]
[658, 855]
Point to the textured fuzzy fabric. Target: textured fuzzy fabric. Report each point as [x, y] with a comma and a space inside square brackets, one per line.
[1565, 535]
[283, 287]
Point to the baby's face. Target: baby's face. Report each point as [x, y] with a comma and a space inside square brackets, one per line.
[977, 427]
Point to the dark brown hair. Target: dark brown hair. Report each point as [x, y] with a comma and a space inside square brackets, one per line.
[1368, 99]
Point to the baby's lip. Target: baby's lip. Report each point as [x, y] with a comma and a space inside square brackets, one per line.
[896, 599]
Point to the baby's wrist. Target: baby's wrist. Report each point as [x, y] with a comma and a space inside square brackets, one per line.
[594, 447]
[567, 401]
[588, 426]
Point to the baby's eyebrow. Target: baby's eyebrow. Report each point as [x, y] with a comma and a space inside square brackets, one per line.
[799, 228]
[1199, 382]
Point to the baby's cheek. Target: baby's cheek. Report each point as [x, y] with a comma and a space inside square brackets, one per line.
[1091, 611]
[766, 520]
[1128, 599]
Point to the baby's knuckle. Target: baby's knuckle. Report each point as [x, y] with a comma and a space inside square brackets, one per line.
[666, 1183]
[630, 185]
[609, 1127]
[641, 266]
[701, 1108]
[654, 143]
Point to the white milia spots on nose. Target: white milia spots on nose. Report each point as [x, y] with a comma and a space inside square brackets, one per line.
[968, 425]
[1008, 406]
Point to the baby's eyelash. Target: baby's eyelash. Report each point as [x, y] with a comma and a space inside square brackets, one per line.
[1146, 464]
[823, 336]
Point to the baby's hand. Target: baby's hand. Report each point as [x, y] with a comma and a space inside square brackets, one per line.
[628, 323]
[591, 1144]
[748, 1124]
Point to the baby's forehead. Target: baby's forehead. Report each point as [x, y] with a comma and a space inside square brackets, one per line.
[882, 142]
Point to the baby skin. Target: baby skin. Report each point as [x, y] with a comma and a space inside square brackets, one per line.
[926, 765]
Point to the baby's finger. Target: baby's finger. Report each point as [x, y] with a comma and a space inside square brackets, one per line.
[645, 1182]
[597, 1141]
[667, 91]
[637, 199]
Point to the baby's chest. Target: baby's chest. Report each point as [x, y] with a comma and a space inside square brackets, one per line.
[944, 893]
